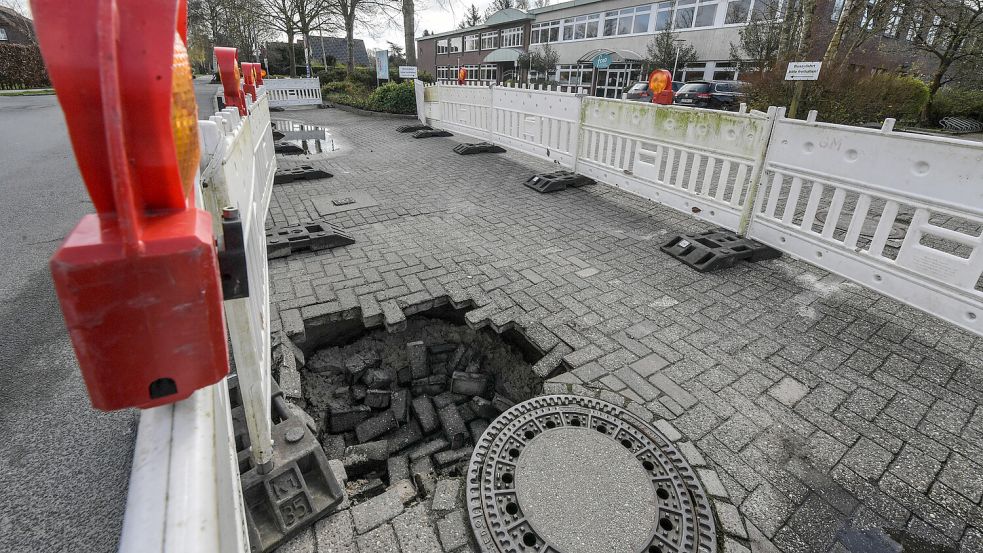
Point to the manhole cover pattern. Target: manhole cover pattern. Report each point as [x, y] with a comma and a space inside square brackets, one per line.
[684, 521]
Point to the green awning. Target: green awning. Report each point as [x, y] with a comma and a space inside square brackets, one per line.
[503, 55]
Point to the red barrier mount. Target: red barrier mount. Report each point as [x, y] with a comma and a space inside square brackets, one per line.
[138, 281]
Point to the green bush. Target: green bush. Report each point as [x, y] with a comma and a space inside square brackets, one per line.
[962, 102]
[344, 87]
[333, 74]
[394, 98]
[363, 76]
[843, 97]
[426, 77]
[21, 66]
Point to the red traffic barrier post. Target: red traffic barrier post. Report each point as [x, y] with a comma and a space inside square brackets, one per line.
[138, 281]
[228, 72]
[249, 71]
[660, 83]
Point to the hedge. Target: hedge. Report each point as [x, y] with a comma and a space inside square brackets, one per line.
[21, 66]
[843, 97]
[962, 102]
[389, 98]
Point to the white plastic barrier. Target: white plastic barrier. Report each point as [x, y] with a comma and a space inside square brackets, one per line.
[899, 213]
[293, 92]
[185, 494]
[698, 161]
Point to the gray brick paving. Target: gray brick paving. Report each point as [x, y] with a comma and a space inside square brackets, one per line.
[823, 407]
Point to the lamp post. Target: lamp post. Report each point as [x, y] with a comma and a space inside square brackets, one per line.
[679, 44]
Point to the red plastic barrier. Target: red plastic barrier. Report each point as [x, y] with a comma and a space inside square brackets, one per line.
[249, 74]
[660, 83]
[228, 71]
[138, 281]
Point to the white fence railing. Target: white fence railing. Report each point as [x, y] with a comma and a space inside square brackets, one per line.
[185, 494]
[899, 213]
[293, 92]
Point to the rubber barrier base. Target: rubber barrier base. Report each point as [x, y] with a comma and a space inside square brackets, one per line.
[303, 172]
[431, 133]
[559, 180]
[717, 249]
[478, 148]
[414, 128]
[283, 240]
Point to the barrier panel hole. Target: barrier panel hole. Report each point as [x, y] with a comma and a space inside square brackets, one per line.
[162, 387]
[529, 539]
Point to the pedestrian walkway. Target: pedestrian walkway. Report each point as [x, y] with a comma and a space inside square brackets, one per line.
[836, 419]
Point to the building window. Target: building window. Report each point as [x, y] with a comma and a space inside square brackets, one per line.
[695, 13]
[3, 33]
[725, 71]
[545, 32]
[578, 75]
[489, 41]
[627, 21]
[837, 10]
[893, 26]
[933, 31]
[579, 28]
[916, 27]
[869, 17]
[489, 73]
[512, 37]
[472, 72]
[470, 43]
[455, 45]
[442, 46]
[737, 11]
[663, 16]
[691, 72]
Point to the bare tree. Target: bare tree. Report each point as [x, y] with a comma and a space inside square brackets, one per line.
[352, 11]
[540, 3]
[22, 23]
[498, 5]
[950, 31]
[282, 16]
[311, 14]
[760, 41]
[662, 50]
[471, 18]
[409, 26]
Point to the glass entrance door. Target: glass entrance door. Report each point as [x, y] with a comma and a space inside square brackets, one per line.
[611, 82]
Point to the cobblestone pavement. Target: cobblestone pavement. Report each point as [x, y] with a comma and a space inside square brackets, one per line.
[836, 419]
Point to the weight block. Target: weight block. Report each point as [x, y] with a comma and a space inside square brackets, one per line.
[478, 148]
[431, 133]
[717, 249]
[545, 183]
[413, 127]
[304, 172]
[283, 240]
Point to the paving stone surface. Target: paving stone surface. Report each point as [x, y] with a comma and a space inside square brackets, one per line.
[829, 413]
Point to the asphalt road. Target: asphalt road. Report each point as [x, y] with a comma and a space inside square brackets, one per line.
[64, 466]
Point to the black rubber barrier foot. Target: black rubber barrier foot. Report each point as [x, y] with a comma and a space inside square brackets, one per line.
[717, 249]
[431, 133]
[283, 240]
[303, 172]
[557, 180]
[478, 148]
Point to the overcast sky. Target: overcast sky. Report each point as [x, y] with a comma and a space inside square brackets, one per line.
[436, 16]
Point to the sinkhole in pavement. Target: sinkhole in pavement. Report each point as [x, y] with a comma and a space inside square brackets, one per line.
[408, 406]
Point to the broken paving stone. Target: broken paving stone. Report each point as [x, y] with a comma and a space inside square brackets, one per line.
[415, 533]
[377, 378]
[447, 398]
[399, 404]
[477, 428]
[404, 437]
[363, 489]
[404, 376]
[356, 365]
[417, 353]
[344, 418]
[375, 427]
[377, 511]
[460, 359]
[453, 425]
[429, 448]
[430, 386]
[453, 530]
[470, 384]
[445, 495]
[474, 366]
[424, 478]
[363, 458]
[483, 408]
[502, 403]
[358, 393]
[407, 492]
[333, 446]
[398, 467]
[445, 458]
[325, 361]
[377, 399]
[467, 412]
[425, 414]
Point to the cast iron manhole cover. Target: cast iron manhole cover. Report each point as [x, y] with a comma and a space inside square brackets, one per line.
[569, 474]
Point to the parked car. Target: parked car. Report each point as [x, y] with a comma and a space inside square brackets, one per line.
[640, 92]
[726, 95]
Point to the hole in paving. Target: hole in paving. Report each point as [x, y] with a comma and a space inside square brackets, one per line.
[303, 139]
[410, 404]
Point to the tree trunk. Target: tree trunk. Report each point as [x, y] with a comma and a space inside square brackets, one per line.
[409, 31]
[837, 38]
[350, 37]
[805, 36]
[291, 54]
[934, 87]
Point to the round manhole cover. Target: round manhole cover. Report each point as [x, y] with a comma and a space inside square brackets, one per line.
[568, 474]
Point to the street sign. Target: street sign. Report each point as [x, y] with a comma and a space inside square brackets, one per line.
[602, 61]
[407, 72]
[382, 64]
[803, 71]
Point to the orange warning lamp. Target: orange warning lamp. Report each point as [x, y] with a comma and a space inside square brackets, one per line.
[138, 281]
[660, 84]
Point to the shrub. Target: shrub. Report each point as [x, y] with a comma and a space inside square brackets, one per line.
[962, 102]
[343, 87]
[363, 76]
[843, 97]
[394, 98]
[332, 74]
[21, 66]
[426, 77]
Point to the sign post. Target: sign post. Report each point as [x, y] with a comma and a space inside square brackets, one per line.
[801, 71]
[381, 65]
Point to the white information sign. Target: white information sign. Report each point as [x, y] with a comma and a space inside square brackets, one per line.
[803, 71]
[407, 71]
[382, 64]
